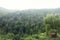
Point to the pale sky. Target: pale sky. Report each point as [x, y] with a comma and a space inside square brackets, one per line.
[29, 4]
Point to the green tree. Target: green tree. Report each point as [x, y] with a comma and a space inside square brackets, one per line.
[52, 21]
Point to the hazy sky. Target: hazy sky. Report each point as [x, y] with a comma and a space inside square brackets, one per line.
[29, 4]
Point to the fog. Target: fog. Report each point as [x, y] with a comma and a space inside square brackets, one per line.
[29, 4]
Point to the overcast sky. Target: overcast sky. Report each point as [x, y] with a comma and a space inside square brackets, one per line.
[29, 4]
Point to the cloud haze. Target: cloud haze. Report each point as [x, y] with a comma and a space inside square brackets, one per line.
[29, 4]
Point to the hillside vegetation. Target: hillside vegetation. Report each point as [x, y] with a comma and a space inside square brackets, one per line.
[31, 24]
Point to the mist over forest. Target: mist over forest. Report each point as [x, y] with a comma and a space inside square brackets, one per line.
[28, 24]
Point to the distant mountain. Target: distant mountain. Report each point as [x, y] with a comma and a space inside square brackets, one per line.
[57, 10]
[4, 11]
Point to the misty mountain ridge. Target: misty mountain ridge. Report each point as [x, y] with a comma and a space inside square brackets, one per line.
[4, 11]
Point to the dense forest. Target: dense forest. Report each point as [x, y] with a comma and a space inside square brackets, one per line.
[31, 24]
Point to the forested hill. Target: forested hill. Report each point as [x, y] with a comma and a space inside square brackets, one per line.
[21, 23]
[4, 11]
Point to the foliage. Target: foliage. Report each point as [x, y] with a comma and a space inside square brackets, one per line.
[28, 24]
